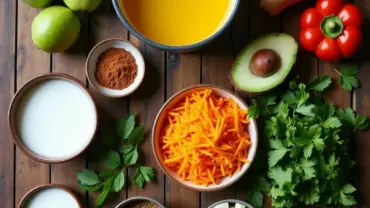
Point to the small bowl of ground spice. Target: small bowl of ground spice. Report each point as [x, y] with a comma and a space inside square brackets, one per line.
[140, 202]
[115, 67]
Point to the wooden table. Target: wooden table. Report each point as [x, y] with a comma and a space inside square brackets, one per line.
[167, 73]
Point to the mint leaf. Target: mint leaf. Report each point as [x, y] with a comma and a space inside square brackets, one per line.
[305, 110]
[137, 135]
[143, 174]
[254, 110]
[130, 154]
[320, 83]
[119, 182]
[332, 122]
[88, 177]
[112, 160]
[91, 188]
[126, 125]
[106, 174]
[101, 198]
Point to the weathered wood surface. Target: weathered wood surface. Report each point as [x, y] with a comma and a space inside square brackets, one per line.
[166, 74]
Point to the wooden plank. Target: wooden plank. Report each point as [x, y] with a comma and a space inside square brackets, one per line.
[306, 65]
[146, 102]
[362, 105]
[104, 24]
[31, 62]
[72, 62]
[183, 70]
[217, 60]
[250, 23]
[7, 69]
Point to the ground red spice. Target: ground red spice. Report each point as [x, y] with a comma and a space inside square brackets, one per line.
[116, 68]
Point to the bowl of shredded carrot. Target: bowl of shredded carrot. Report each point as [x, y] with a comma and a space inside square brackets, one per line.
[203, 138]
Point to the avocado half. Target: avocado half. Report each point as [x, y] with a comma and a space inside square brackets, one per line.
[241, 74]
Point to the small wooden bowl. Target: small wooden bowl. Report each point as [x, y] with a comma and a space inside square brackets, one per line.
[100, 48]
[162, 118]
[13, 109]
[138, 199]
[37, 189]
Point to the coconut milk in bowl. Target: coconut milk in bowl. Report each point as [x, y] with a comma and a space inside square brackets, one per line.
[53, 118]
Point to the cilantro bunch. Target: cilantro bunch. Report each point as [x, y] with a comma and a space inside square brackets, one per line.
[307, 142]
[117, 161]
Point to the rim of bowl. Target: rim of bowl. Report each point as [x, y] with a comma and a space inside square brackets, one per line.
[33, 191]
[190, 47]
[26, 87]
[206, 189]
[230, 201]
[138, 198]
[95, 84]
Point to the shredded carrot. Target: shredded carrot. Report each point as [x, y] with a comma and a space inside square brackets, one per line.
[206, 138]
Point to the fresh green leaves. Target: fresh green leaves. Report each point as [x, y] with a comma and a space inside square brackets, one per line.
[348, 79]
[117, 160]
[307, 147]
[320, 83]
[143, 174]
[125, 126]
[258, 187]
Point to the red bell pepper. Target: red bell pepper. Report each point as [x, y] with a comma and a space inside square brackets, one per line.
[332, 30]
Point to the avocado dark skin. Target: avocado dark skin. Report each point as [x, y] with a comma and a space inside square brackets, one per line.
[264, 63]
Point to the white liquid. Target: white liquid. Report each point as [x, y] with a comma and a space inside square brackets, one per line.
[52, 198]
[56, 119]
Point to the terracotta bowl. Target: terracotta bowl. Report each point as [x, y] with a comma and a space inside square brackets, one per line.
[100, 48]
[24, 200]
[14, 108]
[161, 119]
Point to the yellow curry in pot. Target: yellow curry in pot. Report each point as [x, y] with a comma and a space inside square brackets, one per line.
[176, 22]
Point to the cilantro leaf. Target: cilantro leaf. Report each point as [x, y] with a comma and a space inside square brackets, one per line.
[88, 177]
[143, 174]
[268, 100]
[305, 110]
[332, 122]
[348, 189]
[307, 150]
[347, 116]
[275, 156]
[102, 197]
[126, 125]
[276, 144]
[289, 97]
[254, 110]
[112, 160]
[258, 187]
[320, 83]
[319, 144]
[137, 135]
[348, 79]
[312, 197]
[119, 182]
[346, 199]
[350, 69]
[362, 123]
[308, 169]
[130, 154]
[280, 176]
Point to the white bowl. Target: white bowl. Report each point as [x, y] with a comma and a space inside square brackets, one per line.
[101, 48]
[161, 119]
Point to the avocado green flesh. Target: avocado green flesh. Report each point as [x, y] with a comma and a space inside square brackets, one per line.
[245, 80]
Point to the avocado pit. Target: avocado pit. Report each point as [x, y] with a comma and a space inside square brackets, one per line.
[264, 63]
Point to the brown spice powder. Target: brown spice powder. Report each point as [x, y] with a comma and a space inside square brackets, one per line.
[116, 68]
[143, 205]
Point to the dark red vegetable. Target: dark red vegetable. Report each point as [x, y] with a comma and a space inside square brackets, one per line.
[332, 30]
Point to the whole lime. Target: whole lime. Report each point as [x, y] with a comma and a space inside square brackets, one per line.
[38, 3]
[83, 5]
[55, 29]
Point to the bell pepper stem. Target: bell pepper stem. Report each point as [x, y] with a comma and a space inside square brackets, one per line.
[332, 26]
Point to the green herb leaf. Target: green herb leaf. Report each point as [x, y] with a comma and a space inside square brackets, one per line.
[348, 116]
[280, 176]
[258, 187]
[349, 82]
[101, 198]
[119, 182]
[320, 83]
[308, 169]
[254, 110]
[332, 122]
[112, 160]
[88, 178]
[126, 125]
[305, 110]
[348, 189]
[130, 154]
[289, 97]
[137, 135]
[143, 174]
[108, 184]
[106, 174]
[307, 150]
[93, 188]
[362, 123]
[350, 69]
[275, 156]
